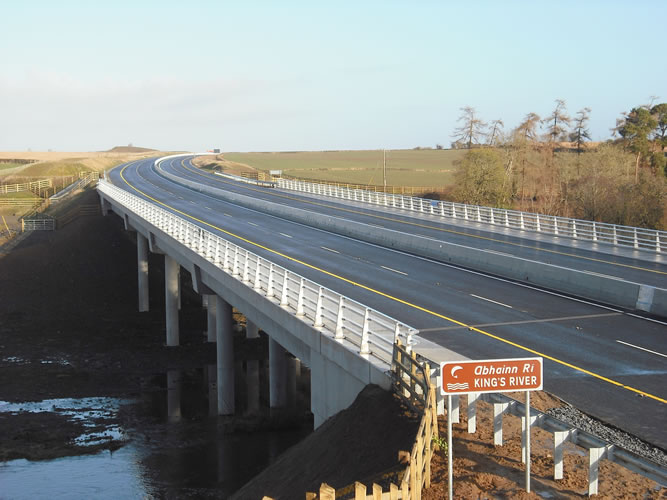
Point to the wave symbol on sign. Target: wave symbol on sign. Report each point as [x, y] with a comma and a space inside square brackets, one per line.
[457, 387]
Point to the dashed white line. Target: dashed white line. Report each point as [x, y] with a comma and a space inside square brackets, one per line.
[642, 348]
[489, 300]
[330, 249]
[252, 223]
[208, 208]
[394, 270]
[285, 235]
[226, 215]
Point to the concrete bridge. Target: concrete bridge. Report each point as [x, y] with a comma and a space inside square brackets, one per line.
[345, 344]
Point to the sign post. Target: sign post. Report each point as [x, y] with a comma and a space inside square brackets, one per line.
[485, 376]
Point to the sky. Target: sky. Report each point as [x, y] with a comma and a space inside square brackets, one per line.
[289, 75]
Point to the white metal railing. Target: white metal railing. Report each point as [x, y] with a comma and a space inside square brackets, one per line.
[600, 232]
[371, 332]
[42, 223]
[247, 180]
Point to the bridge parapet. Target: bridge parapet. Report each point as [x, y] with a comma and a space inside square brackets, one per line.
[333, 331]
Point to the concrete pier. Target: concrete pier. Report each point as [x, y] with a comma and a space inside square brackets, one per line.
[171, 299]
[251, 330]
[210, 317]
[142, 271]
[225, 357]
[174, 395]
[252, 379]
[278, 364]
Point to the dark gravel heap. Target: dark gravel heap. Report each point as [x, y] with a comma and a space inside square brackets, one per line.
[576, 418]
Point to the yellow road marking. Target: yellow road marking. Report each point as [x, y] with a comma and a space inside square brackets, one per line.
[426, 226]
[396, 299]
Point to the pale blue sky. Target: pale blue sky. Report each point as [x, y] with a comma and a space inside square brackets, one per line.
[269, 76]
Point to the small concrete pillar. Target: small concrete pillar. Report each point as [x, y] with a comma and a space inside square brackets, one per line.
[171, 299]
[211, 317]
[252, 379]
[277, 375]
[142, 271]
[211, 373]
[178, 281]
[174, 395]
[251, 330]
[292, 365]
[225, 356]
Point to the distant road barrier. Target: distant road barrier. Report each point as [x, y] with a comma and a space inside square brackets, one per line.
[612, 234]
[371, 332]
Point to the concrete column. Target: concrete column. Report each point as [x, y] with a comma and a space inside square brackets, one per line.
[277, 375]
[225, 356]
[142, 271]
[171, 299]
[252, 379]
[211, 317]
[212, 390]
[174, 395]
[251, 330]
[178, 281]
[291, 380]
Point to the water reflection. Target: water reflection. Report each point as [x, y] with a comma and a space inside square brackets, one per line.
[178, 446]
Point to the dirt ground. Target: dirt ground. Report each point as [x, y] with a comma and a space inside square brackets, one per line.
[69, 327]
[484, 471]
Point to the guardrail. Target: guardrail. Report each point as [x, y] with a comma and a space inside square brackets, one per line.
[600, 232]
[247, 180]
[597, 448]
[85, 178]
[371, 332]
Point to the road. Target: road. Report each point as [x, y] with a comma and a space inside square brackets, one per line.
[607, 362]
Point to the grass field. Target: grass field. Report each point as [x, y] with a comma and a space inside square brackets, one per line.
[58, 164]
[425, 167]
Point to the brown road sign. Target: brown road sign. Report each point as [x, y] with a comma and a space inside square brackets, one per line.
[491, 375]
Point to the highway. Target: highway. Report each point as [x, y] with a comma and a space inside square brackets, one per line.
[607, 362]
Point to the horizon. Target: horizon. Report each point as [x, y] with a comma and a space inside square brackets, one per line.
[264, 77]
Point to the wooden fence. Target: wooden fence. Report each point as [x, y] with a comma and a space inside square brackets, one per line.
[26, 186]
[413, 385]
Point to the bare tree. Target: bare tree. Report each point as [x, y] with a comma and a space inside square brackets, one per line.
[527, 129]
[580, 132]
[555, 123]
[496, 126]
[470, 130]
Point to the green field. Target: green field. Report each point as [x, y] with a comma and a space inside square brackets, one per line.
[407, 167]
[7, 166]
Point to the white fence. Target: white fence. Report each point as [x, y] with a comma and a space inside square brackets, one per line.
[626, 236]
[371, 332]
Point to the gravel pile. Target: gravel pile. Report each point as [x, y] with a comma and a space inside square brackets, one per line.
[580, 420]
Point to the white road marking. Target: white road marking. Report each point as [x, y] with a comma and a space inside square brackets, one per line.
[489, 300]
[647, 319]
[227, 215]
[330, 250]
[252, 223]
[394, 270]
[642, 348]
[286, 235]
[208, 208]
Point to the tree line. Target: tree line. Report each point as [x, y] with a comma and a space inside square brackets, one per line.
[548, 165]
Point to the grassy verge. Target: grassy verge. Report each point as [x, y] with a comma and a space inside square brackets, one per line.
[426, 167]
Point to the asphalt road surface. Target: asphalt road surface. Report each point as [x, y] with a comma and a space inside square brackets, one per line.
[607, 362]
